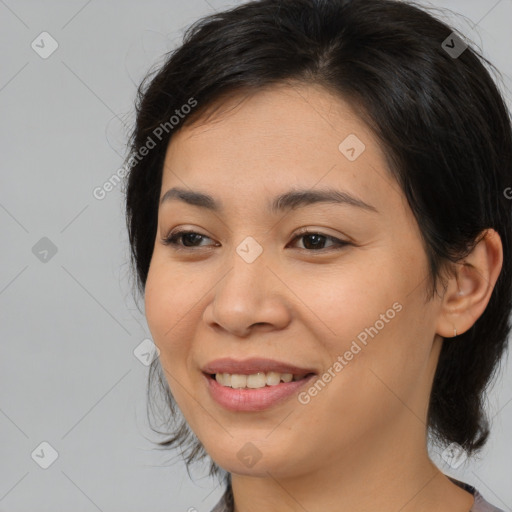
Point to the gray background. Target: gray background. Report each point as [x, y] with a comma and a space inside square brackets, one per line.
[69, 325]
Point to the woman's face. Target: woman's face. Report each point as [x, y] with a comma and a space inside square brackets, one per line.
[346, 302]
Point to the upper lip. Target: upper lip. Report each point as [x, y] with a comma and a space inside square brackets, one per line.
[253, 365]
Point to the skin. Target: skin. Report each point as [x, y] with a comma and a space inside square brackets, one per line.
[360, 444]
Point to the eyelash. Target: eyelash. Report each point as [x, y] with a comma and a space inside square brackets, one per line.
[171, 240]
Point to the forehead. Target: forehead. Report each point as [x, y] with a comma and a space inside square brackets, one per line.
[265, 142]
[279, 118]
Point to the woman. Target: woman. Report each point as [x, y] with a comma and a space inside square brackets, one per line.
[319, 222]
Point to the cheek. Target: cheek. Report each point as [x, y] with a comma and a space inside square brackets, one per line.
[170, 298]
[375, 319]
[156, 303]
[170, 315]
[352, 298]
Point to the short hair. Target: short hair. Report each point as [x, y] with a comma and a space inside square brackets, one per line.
[440, 119]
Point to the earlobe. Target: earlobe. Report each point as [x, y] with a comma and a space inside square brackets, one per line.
[470, 288]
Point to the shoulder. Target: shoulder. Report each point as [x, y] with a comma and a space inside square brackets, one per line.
[481, 505]
[225, 504]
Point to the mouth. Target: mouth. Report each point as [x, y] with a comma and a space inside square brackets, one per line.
[254, 392]
[256, 380]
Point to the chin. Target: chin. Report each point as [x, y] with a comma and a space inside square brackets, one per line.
[253, 460]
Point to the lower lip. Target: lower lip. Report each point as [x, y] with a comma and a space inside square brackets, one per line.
[251, 400]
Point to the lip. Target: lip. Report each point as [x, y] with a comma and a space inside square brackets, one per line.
[253, 400]
[253, 365]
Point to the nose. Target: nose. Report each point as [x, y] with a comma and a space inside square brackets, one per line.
[249, 297]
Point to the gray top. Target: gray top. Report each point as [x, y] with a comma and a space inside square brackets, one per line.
[226, 502]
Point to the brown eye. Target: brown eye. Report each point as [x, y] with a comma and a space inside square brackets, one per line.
[189, 239]
[316, 241]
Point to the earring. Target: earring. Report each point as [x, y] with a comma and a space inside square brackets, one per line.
[454, 332]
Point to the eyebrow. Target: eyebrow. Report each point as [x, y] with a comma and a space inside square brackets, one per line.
[287, 201]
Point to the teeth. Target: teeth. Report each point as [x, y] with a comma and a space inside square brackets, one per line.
[238, 381]
[273, 378]
[254, 381]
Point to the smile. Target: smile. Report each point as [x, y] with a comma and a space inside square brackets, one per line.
[255, 380]
[235, 393]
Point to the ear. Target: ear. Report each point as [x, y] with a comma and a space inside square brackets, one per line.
[469, 290]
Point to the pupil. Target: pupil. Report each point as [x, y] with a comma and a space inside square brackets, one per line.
[190, 237]
[315, 244]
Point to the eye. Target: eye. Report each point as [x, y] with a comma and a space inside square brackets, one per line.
[315, 241]
[189, 239]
